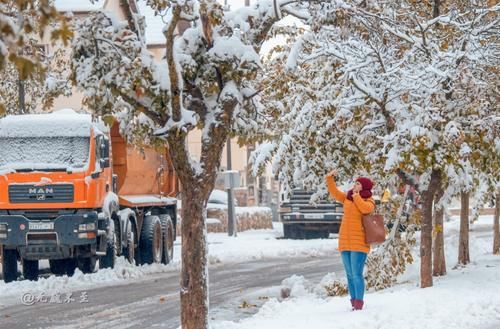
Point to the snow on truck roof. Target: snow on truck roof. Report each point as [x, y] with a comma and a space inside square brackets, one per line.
[62, 123]
[78, 5]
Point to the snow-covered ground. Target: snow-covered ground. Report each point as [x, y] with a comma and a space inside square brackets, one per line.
[222, 249]
[465, 298]
[261, 244]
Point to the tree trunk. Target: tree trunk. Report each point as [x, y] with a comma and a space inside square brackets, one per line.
[22, 96]
[463, 244]
[426, 233]
[439, 261]
[496, 226]
[194, 273]
[435, 8]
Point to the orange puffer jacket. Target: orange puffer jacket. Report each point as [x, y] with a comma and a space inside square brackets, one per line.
[352, 233]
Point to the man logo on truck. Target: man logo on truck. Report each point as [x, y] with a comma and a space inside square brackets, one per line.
[41, 191]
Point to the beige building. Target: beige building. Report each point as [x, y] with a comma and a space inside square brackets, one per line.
[155, 41]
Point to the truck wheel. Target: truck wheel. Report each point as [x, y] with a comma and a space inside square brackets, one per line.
[287, 231]
[70, 265]
[129, 252]
[87, 264]
[9, 265]
[108, 261]
[297, 232]
[30, 269]
[151, 240]
[167, 228]
[58, 266]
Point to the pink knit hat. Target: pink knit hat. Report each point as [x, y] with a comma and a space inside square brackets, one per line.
[366, 185]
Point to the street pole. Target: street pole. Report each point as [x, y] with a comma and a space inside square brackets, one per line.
[231, 222]
[231, 219]
[22, 98]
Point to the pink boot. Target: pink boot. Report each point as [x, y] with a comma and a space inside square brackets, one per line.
[358, 304]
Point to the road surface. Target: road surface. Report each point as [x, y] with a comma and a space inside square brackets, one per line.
[153, 302]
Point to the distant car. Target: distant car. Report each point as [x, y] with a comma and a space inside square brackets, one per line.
[219, 197]
[302, 220]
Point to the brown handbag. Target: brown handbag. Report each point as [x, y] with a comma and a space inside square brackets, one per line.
[374, 228]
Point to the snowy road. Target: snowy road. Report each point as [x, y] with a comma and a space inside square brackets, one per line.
[154, 300]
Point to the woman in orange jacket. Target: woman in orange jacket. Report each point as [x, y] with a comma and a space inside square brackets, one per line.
[352, 246]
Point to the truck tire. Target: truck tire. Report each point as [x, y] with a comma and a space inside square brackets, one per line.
[298, 233]
[57, 266]
[108, 261]
[287, 231]
[70, 266]
[30, 269]
[129, 252]
[167, 227]
[293, 231]
[87, 264]
[9, 265]
[151, 242]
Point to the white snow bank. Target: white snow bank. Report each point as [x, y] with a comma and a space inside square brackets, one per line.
[262, 244]
[121, 274]
[239, 210]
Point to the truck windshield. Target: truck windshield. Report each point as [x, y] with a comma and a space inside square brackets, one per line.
[44, 153]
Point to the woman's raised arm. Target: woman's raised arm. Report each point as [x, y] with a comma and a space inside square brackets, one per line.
[333, 190]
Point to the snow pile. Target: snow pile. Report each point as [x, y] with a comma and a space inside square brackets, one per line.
[465, 298]
[240, 210]
[296, 286]
[264, 244]
[120, 274]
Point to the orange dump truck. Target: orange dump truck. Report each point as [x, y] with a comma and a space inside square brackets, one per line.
[73, 191]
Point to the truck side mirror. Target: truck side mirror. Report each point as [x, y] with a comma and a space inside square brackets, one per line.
[104, 163]
[104, 150]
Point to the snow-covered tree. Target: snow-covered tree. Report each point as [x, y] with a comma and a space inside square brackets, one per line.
[205, 81]
[379, 86]
[38, 91]
[22, 22]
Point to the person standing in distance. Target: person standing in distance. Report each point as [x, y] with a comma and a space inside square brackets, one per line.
[352, 246]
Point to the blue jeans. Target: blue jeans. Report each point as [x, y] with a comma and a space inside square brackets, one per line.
[354, 262]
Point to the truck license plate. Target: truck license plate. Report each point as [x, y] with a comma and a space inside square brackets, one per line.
[41, 226]
[313, 216]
